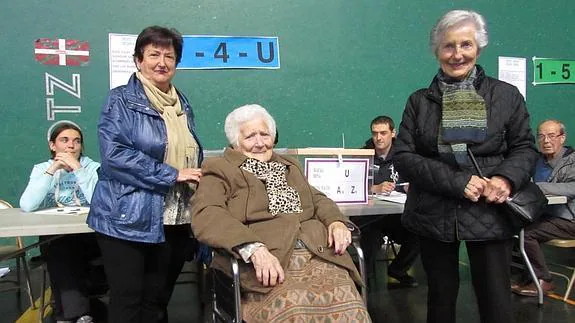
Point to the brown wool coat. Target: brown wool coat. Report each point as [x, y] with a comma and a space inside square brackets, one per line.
[230, 208]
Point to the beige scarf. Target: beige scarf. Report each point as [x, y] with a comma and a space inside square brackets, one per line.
[182, 150]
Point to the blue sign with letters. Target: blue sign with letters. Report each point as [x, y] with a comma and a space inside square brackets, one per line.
[218, 52]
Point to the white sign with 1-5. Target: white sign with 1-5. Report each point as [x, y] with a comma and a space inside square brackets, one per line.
[342, 180]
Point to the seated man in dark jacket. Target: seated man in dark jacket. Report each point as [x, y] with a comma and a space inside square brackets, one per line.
[386, 179]
[555, 175]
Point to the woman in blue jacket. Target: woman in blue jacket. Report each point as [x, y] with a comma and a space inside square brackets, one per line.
[66, 179]
[150, 169]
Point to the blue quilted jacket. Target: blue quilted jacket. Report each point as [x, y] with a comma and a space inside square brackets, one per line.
[128, 201]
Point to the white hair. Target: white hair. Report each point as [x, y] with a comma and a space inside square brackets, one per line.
[454, 18]
[243, 114]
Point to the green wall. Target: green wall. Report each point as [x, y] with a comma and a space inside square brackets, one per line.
[342, 63]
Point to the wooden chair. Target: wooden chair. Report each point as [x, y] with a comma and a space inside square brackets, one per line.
[11, 252]
[564, 244]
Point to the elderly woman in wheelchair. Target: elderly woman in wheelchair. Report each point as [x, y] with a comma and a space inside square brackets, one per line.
[290, 239]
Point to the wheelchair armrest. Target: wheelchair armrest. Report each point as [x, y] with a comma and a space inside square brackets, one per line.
[355, 243]
[235, 284]
[234, 266]
[355, 233]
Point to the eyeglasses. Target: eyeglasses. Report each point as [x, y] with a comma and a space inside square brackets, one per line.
[550, 136]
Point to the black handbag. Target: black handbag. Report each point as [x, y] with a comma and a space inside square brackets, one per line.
[526, 205]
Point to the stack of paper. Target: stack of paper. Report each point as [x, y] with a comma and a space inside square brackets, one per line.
[395, 197]
[67, 210]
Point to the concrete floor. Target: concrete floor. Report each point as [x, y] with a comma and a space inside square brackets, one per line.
[388, 306]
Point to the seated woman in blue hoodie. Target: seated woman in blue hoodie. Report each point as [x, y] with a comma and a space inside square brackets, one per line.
[67, 179]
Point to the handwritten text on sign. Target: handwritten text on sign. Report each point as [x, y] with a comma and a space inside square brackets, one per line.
[342, 180]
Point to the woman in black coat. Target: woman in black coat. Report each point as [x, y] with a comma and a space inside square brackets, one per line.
[447, 201]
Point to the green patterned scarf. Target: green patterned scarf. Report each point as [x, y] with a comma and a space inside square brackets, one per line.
[464, 116]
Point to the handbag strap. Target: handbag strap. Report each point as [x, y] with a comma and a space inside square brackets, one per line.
[475, 164]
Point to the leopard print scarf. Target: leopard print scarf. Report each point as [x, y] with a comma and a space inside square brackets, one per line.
[282, 197]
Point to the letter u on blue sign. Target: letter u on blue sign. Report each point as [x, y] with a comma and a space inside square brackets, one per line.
[218, 52]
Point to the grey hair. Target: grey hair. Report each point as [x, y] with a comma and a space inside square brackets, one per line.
[458, 17]
[557, 122]
[243, 114]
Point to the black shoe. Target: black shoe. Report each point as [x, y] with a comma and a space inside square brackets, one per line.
[99, 310]
[403, 281]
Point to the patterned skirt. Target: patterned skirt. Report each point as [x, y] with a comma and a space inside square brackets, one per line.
[313, 291]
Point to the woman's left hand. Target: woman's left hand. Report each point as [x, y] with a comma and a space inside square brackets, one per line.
[339, 236]
[497, 190]
[189, 175]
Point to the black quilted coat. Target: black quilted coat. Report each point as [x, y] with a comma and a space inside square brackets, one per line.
[436, 207]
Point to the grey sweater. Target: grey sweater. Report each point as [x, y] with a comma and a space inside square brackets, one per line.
[562, 182]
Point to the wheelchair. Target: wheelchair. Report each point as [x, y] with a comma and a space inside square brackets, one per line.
[225, 292]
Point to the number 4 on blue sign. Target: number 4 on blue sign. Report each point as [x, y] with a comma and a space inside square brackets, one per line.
[222, 52]
[209, 52]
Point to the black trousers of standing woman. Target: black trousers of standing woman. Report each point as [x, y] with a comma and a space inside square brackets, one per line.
[142, 275]
[490, 274]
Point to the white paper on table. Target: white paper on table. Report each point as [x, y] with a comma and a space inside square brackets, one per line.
[395, 197]
[4, 271]
[67, 210]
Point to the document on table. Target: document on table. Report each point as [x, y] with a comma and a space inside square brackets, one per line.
[4, 271]
[395, 197]
[67, 210]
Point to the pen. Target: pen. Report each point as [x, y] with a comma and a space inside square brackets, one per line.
[402, 184]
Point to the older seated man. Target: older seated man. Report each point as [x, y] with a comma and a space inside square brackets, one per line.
[555, 175]
[292, 238]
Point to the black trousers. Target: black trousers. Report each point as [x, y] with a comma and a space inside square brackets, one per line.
[490, 274]
[142, 275]
[548, 228]
[372, 231]
[68, 262]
